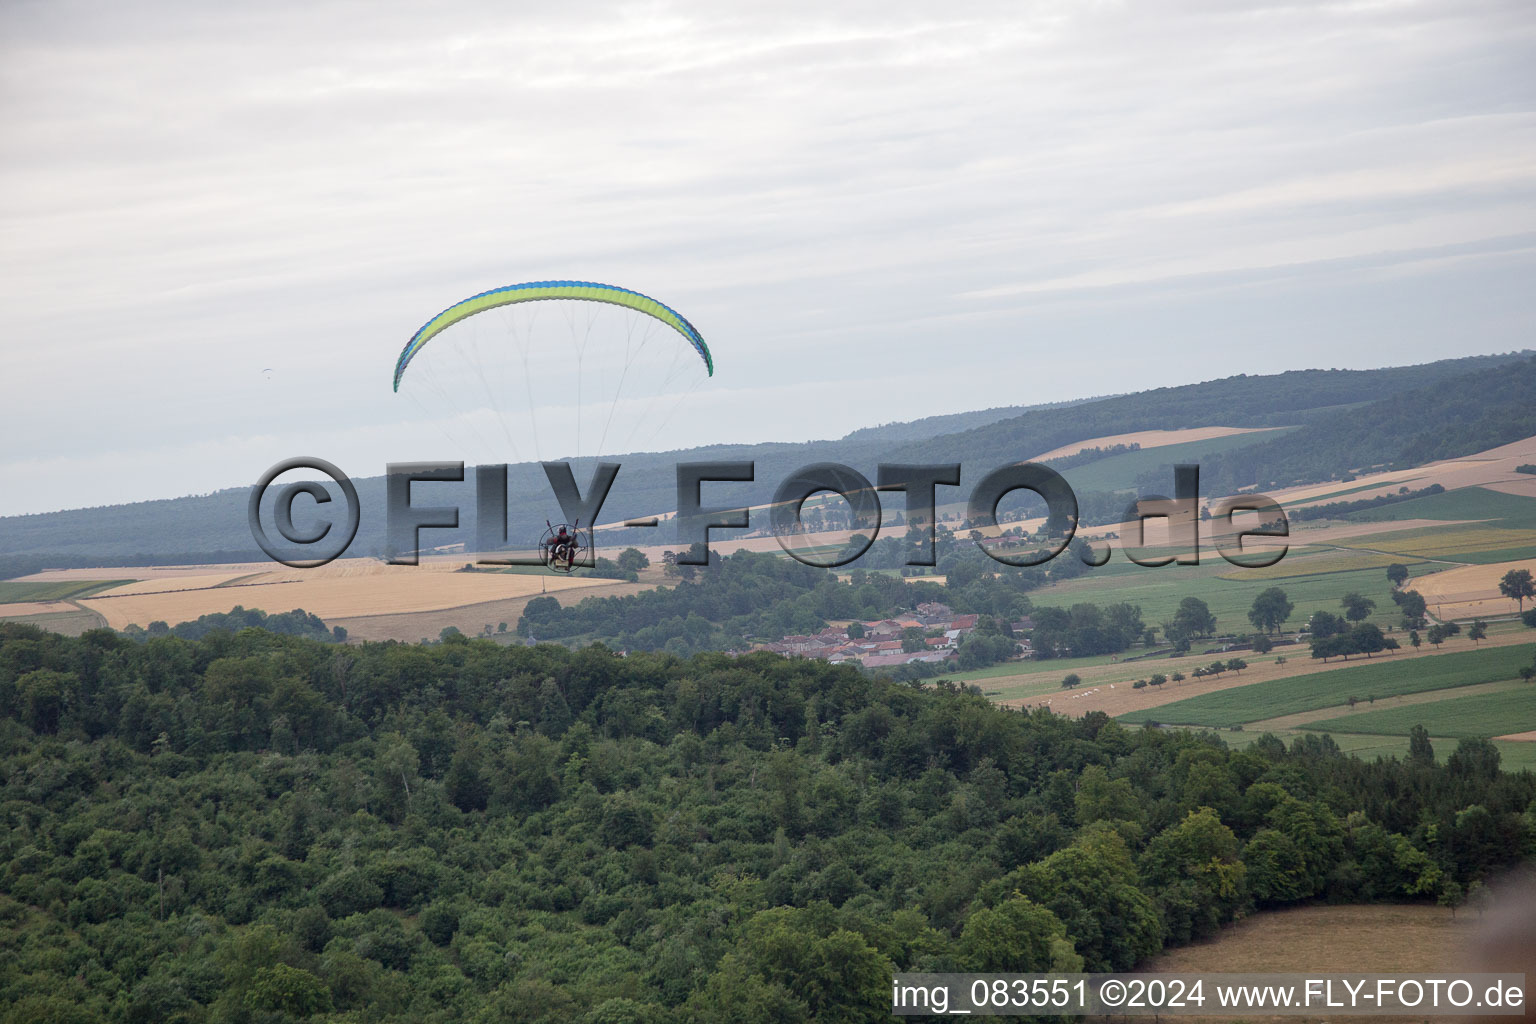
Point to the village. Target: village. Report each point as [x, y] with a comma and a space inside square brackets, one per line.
[931, 635]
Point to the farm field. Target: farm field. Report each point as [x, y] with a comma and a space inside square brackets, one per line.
[1119, 472]
[1383, 677]
[1321, 560]
[1458, 717]
[1105, 687]
[1471, 590]
[1147, 439]
[21, 591]
[337, 593]
[1466, 503]
[71, 620]
[1378, 938]
[1459, 543]
[1304, 719]
[470, 619]
[1227, 591]
[1493, 467]
[1374, 939]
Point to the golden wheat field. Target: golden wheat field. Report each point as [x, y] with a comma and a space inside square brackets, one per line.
[1148, 439]
[1471, 589]
[17, 608]
[354, 587]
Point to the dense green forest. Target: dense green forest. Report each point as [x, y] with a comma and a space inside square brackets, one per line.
[267, 828]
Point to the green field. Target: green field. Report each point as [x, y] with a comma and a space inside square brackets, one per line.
[1324, 560]
[1511, 511]
[1387, 676]
[1227, 591]
[12, 591]
[70, 623]
[1451, 543]
[1482, 714]
[1119, 472]
[1493, 555]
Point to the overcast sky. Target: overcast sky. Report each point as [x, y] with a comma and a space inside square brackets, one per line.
[873, 211]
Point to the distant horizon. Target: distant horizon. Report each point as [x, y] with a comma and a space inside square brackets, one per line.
[370, 473]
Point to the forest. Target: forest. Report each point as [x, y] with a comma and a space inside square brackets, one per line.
[253, 827]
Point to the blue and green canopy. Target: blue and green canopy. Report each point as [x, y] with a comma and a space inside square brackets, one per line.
[537, 291]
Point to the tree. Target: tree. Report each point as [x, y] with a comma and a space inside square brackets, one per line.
[1356, 607]
[1420, 750]
[855, 631]
[288, 990]
[1071, 680]
[1366, 638]
[1411, 603]
[1017, 936]
[1262, 644]
[1194, 869]
[1270, 610]
[1275, 868]
[1339, 645]
[1397, 572]
[632, 560]
[1414, 638]
[1194, 618]
[1518, 585]
[1326, 624]
[1479, 631]
[1451, 895]
[1100, 798]
[1436, 635]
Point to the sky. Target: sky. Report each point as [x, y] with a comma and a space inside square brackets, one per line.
[219, 224]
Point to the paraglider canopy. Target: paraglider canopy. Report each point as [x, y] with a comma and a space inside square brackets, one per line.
[552, 363]
[535, 291]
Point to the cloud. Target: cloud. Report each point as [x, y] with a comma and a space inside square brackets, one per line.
[930, 208]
